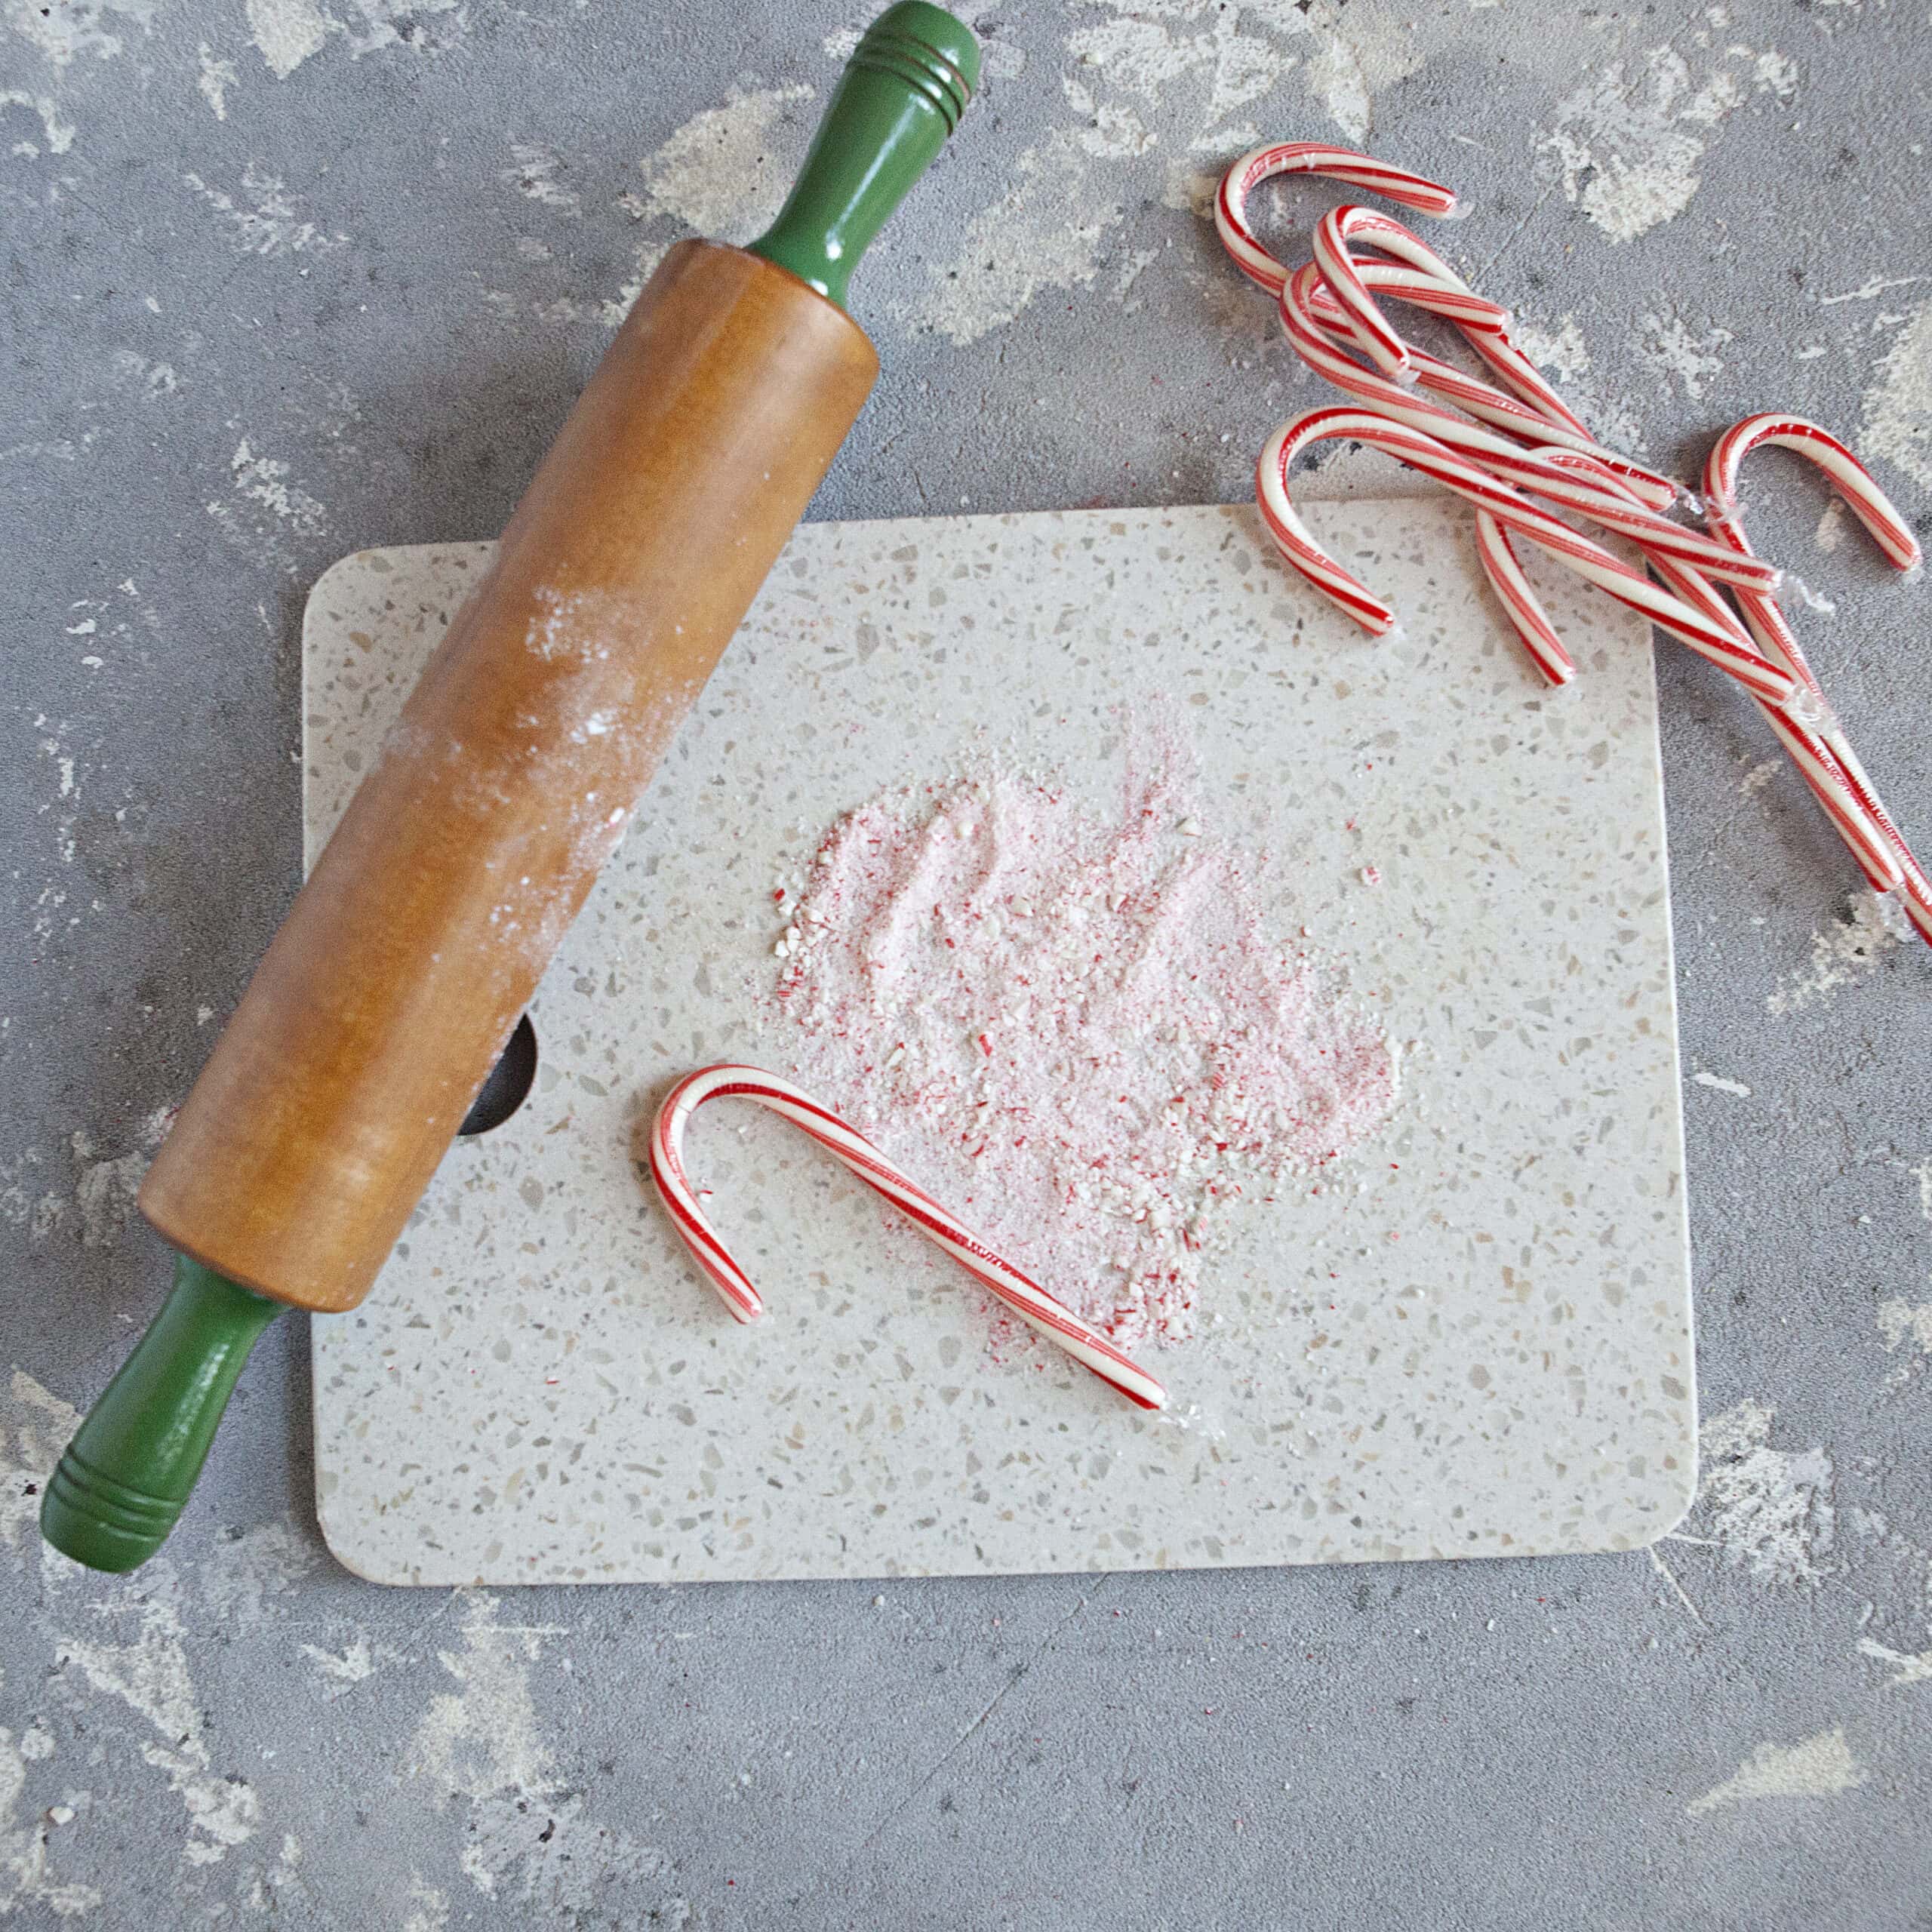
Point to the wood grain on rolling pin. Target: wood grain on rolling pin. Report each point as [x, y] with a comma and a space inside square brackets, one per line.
[435, 908]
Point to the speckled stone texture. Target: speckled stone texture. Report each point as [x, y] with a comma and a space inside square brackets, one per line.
[1475, 1339]
[286, 279]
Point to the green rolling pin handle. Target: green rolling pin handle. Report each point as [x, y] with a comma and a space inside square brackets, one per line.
[902, 93]
[127, 1473]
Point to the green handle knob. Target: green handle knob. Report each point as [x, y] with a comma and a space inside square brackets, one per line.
[128, 1472]
[903, 92]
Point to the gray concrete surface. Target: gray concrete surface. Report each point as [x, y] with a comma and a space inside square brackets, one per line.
[287, 280]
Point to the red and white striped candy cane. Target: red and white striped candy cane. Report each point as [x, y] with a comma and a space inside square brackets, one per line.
[1535, 408]
[1317, 327]
[1025, 1296]
[1330, 316]
[1370, 329]
[1848, 476]
[1823, 756]
[1796, 728]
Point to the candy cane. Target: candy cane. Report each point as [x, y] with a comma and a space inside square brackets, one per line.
[1581, 480]
[1848, 477]
[1368, 327]
[1320, 317]
[1817, 763]
[1026, 1297]
[1824, 758]
[1498, 558]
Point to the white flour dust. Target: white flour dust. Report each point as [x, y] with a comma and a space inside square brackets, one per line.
[266, 220]
[1681, 356]
[1558, 349]
[26, 1879]
[724, 173]
[105, 1650]
[288, 32]
[35, 1425]
[148, 1673]
[1055, 228]
[1897, 424]
[1816, 1767]
[530, 1838]
[1906, 1329]
[1045, 232]
[1626, 145]
[99, 1202]
[265, 482]
[1769, 1511]
[217, 78]
[91, 29]
[534, 177]
[1908, 1667]
[1844, 952]
[1718, 1084]
[57, 135]
[266, 511]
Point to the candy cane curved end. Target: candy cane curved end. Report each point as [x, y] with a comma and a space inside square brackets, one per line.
[1722, 639]
[1370, 329]
[1038, 1310]
[1277, 158]
[1416, 449]
[1847, 476]
[1804, 721]
[1298, 548]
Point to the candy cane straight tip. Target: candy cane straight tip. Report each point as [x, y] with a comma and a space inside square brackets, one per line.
[1498, 557]
[1038, 1310]
[680, 1199]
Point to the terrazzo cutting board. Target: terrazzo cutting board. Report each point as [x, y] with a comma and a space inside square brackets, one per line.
[1481, 1347]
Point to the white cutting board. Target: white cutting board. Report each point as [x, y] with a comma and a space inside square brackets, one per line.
[541, 1389]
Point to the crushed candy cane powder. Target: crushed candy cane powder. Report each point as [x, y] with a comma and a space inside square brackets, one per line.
[1077, 1032]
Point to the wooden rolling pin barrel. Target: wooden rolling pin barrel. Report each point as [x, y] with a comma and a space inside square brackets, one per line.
[407, 957]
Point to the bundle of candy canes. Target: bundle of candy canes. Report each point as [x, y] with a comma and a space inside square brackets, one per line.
[1512, 448]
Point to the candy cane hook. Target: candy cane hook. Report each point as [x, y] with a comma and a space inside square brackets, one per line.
[1847, 475]
[1332, 164]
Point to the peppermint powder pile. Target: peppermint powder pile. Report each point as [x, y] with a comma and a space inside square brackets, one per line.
[1078, 1033]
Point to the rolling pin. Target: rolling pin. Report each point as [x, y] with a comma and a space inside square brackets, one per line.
[407, 957]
